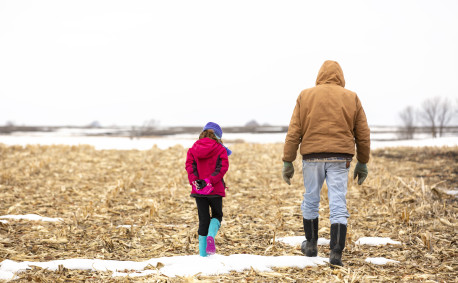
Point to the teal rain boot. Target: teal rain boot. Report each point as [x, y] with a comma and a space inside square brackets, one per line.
[212, 230]
[202, 245]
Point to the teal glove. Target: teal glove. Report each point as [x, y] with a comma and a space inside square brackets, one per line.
[360, 172]
[287, 172]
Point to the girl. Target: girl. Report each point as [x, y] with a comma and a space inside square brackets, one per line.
[206, 164]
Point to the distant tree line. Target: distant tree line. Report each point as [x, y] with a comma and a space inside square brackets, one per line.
[435, 114]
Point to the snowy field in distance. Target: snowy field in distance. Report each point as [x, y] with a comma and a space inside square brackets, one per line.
[76, 137]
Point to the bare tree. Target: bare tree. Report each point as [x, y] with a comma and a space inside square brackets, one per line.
[408, 122]
[436, 113]
[148, 127]
[444, 115]
[429, 114]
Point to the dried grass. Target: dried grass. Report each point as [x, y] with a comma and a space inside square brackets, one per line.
[96, 191]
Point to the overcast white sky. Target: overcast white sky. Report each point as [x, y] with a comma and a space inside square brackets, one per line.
[189, 62]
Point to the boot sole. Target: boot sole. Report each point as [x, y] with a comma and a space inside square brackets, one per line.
[309, 251]
[211, 249]
[335, 259]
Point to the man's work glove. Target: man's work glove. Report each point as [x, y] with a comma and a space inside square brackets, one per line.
[360, 172]
[287, 172]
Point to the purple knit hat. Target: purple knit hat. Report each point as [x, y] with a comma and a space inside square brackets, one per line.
[218, 133]
[216, 129]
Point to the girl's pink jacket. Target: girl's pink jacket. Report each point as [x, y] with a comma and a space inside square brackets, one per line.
[207, 158]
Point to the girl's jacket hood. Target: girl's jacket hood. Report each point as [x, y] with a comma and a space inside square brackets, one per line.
[330, 73]
[205, 148]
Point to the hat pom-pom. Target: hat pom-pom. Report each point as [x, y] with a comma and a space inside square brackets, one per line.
[229, 152]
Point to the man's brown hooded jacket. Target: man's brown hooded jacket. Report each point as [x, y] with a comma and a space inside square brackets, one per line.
[328, 120]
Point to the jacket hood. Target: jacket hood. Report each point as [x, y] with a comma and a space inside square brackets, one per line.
[205, 148]
[330, 73]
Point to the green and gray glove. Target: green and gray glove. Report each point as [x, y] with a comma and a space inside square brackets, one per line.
[287, 171]
[360, 172]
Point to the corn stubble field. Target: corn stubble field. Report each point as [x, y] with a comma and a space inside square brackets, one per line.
[95, 191]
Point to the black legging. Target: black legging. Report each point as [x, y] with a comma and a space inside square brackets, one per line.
[216, 205]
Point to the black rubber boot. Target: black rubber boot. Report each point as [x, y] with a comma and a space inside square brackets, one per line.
[337, 244]
[309, 247]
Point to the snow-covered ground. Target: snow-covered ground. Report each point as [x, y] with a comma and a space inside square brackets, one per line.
[99, 142]
[186, 140]
[186, 265]
[30, 217]
[376, 241]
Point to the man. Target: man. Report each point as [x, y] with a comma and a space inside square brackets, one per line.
[327, 122]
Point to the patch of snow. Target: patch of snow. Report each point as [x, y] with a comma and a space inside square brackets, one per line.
[33, 217]
[444, 141]
[297, 240]
[453, 192]
[126, 226]
[171, 266]
[6, 275]
[99, 143]
[3, 221]
[376, 241]
[380, 260]
[246, 137]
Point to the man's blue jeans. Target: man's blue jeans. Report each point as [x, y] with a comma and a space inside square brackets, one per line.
[336, 176]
